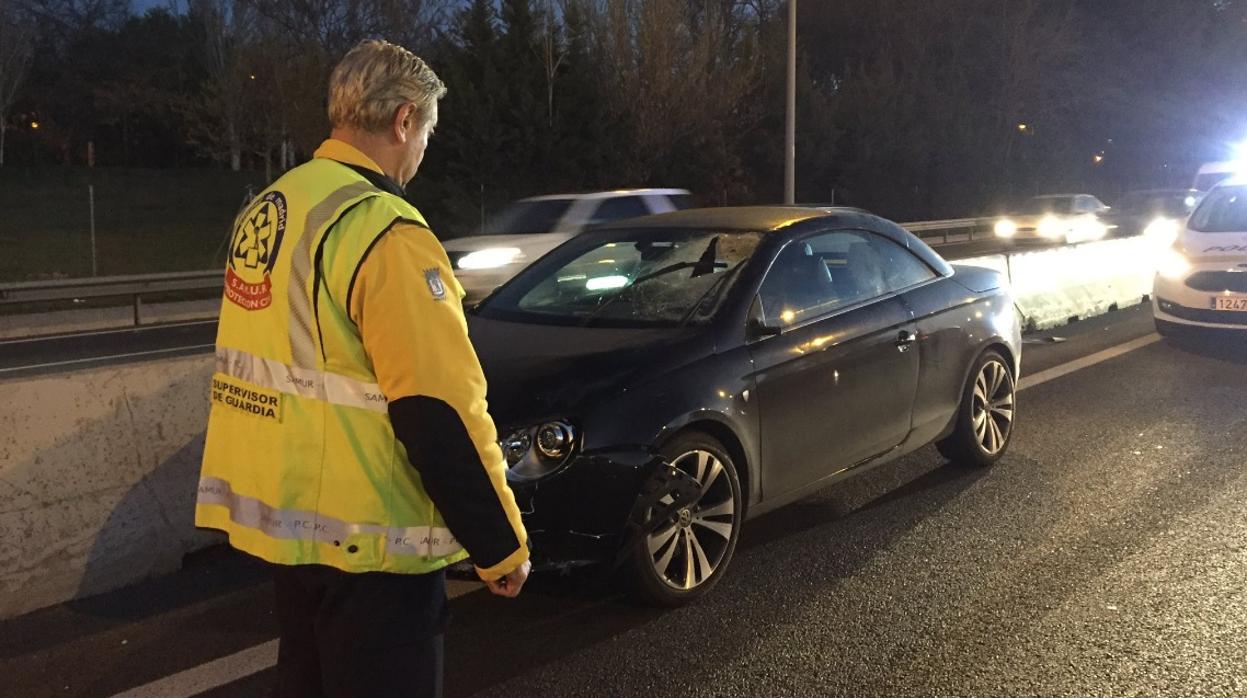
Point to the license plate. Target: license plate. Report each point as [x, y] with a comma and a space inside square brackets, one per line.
[1235, 303]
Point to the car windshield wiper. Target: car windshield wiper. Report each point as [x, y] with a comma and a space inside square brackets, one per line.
[705, 264]
[712, 292]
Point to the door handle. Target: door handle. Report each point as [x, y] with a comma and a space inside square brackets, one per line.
[904, 338]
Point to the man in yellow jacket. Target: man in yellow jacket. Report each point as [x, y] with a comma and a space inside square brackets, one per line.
[349, 442]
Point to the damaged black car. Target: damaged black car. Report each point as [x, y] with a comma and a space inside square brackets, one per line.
[658, 382]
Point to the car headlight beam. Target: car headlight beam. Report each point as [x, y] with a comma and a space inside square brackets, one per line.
[1006, 228]
[1172, 264]
[1162, 231]
[1051, 227]
[490, 258]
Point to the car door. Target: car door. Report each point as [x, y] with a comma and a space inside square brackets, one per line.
[835, 365]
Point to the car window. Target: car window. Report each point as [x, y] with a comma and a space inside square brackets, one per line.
[619, 208]
[1222, 211]
[527, 217]
[681, 201]
[818, 274]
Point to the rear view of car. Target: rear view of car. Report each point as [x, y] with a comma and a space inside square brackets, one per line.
[529, 228]
[1201, 281]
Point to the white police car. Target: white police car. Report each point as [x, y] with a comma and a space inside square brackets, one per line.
[1201, 281]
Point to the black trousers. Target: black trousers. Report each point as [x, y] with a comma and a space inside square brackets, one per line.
[369, 635]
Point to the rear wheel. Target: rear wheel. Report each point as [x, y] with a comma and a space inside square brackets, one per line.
[985, 419]
[686, 556]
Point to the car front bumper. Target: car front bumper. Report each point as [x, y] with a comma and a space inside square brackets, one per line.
[596, 506]
[1175, 302]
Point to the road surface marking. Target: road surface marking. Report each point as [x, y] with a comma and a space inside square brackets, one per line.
[1086, 362]
[240, 665]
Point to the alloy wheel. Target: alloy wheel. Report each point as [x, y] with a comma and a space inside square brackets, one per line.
[692, 545]
[992, 408]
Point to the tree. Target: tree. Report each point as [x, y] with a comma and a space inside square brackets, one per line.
[15, 54]
[216, 118]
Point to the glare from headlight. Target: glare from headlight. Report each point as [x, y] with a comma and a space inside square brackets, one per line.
[1162, 231]
[1085, 229]
[1172, 264]
[1006, 228]
[490, 258]
[1050, 227]
[603, 283]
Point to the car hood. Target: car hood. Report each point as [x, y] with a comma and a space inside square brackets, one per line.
[537, 372]
[527, 243]
[1215, 245]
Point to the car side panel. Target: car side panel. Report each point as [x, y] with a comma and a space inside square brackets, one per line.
[954, 326]
[717, 388]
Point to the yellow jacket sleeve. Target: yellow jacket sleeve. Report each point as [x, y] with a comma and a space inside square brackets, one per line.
[408, 308]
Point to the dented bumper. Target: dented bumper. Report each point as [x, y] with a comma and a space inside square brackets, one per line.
[598, 506]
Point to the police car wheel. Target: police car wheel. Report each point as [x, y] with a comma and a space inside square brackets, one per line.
[684, 558]
[984, 425]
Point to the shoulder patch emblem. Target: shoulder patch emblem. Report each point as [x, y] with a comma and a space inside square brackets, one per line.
[433, 277]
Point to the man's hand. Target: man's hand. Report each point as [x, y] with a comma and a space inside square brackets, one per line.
[510, 584]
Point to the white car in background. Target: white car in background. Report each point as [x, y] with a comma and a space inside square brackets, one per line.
[1055, 218]
[527, 229]
[1202, 280]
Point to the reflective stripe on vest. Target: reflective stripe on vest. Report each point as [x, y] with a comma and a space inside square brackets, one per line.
[333, 388]
[289, 524]
[302, 314]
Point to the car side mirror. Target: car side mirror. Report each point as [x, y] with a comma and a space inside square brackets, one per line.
[757, 329]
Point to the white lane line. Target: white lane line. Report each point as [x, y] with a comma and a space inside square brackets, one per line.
[110, 357]
[1086, 362]
[206, 677]
[240, 665]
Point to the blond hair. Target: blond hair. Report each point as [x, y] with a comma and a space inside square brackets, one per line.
[374, 79]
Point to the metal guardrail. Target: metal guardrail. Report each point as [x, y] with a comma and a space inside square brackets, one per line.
[137, 286]
[134, 286]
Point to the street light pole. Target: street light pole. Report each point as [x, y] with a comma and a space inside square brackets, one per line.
[790, 135]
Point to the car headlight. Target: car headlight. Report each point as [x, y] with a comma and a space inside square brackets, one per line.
[1087, 229]
[1051, 227]
[1172, 264]
[1006, 228]
[490, 258]
[538, 451]
[1162, 231]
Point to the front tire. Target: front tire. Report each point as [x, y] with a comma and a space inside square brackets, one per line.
[684, 559]
[984, 426]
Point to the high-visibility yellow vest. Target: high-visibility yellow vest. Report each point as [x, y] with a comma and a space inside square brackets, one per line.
[301, 465]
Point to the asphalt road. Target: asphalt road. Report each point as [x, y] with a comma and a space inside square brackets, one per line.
[50, 354]
[1105, 555]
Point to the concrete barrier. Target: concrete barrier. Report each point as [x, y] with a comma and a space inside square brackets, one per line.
[97, 478]
[1053, 286]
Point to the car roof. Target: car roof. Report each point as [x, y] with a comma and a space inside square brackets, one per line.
[1059, 196]
[1224, 166]
[752, 218]
[609, 194]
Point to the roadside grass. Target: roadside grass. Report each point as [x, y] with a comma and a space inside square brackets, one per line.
[147, 221]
